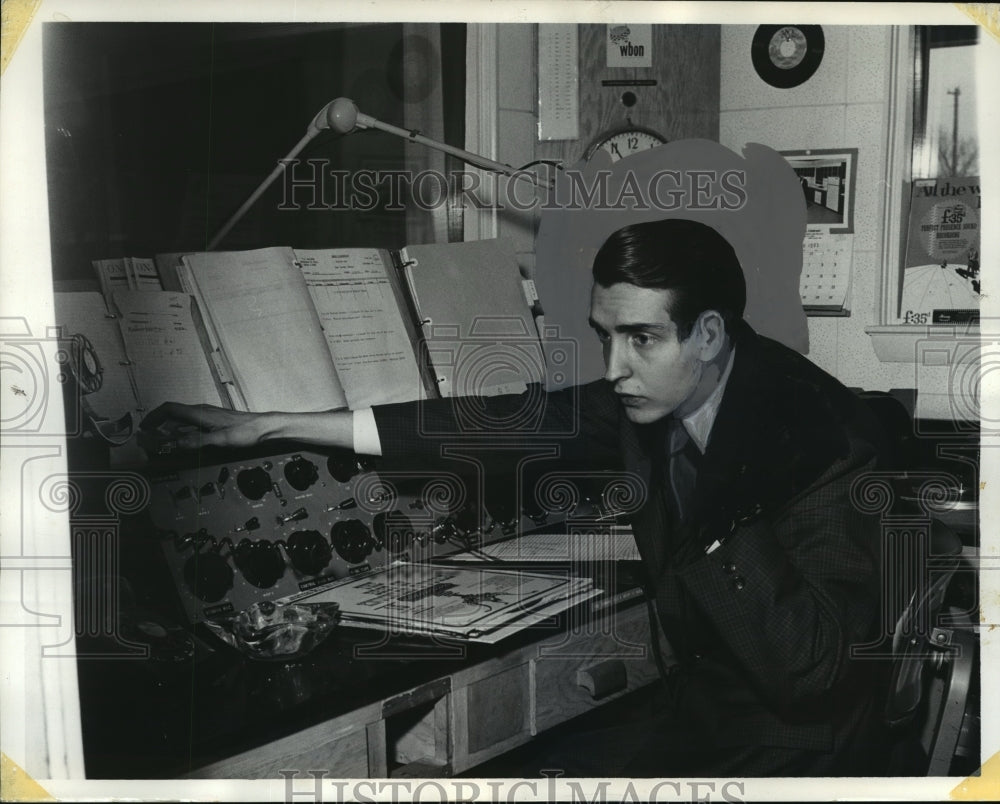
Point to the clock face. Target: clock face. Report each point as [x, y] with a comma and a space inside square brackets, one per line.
[627, 142]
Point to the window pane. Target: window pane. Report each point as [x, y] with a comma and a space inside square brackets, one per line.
[947, 143]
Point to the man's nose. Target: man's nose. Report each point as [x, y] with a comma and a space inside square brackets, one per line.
[615, 362]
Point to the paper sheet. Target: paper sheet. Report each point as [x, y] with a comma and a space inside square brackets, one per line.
[85, 313]
[453, 601]
[480, 334]
[266, 325]
[167, 354]
[558, 82]
[826, 270]
[363, 325]
[615, 545]
[127, 273]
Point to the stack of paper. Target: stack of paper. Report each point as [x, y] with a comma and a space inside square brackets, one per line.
[612, 543]
[474, 604]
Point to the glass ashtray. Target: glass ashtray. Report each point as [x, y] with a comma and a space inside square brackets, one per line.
[276, 630]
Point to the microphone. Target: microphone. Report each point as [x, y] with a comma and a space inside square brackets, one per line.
[341, 115]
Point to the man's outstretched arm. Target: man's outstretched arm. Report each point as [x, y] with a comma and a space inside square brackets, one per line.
[189, 427]
[583, 422]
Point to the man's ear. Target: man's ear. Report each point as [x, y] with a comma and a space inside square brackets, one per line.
[710, 330]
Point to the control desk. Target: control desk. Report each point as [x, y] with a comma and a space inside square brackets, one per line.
[163, 697]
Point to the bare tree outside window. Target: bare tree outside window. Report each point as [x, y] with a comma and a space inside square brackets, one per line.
[957, 156]
[945, 135]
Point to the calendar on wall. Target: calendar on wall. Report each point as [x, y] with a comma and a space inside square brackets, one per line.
[827, 178]
[825, 285]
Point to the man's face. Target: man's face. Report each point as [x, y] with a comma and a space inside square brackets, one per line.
[652, 372]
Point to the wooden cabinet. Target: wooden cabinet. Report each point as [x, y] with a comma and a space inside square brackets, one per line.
[456, 722]
[351, 746]
[573, 676]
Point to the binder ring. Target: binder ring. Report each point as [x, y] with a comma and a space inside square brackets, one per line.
[86, 370]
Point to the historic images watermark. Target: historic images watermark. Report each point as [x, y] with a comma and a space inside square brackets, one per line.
[313, 185]
[315, 787]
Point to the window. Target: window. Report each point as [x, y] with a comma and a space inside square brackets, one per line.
[945, 136]
[157, 132]
[932, 136]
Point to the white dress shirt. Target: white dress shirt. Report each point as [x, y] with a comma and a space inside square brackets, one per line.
[699, 422]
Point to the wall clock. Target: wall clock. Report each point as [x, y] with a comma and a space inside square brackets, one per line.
[625, 141]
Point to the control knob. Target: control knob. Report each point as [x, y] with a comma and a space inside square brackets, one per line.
[301, 473]
[208, 575]
[309, 551]
[352, 540]
[254, 483]
[260, 562]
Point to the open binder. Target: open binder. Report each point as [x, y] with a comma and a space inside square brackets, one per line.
[309, 330]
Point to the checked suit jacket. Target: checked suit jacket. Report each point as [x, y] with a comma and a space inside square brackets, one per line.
[762, 626]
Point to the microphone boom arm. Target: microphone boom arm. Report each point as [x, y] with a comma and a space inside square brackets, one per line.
[342, 115]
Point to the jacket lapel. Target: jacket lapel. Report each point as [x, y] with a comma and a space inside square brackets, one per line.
[650, 523]
[736, 426]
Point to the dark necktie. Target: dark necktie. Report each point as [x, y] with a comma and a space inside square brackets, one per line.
[683, 458]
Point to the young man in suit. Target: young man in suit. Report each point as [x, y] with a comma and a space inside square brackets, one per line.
[762, 573]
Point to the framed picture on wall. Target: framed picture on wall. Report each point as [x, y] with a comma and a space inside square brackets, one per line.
[828, 178]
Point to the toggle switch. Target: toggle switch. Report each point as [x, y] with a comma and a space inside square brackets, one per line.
[221, 481]
[295, 516]
[251, 524]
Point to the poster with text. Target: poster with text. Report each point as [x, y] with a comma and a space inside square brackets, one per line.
[941, 282]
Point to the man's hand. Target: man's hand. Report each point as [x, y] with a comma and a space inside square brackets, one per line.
[173, 426]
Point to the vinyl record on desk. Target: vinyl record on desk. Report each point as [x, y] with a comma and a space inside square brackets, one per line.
[787, 55]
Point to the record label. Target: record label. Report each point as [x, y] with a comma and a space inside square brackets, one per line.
[787, 55]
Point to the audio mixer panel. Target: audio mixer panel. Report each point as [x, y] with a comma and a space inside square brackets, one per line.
[237, 533]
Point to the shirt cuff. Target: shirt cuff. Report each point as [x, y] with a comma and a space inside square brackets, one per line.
[366, 440]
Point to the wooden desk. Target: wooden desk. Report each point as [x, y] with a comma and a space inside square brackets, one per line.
[210, 712]
[452, 723]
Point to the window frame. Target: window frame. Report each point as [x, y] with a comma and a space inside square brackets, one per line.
[894, 342]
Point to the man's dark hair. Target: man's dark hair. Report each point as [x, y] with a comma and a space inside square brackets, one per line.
[686, 257]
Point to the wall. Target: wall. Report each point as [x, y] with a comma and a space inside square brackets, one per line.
[683, 103]
[844, 105]
[517, 126]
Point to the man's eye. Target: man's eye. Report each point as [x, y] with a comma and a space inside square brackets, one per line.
[641, 339]
[602, 336]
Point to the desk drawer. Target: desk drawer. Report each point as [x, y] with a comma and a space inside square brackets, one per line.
[341, 747]
[493, 715]
[587, 670]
